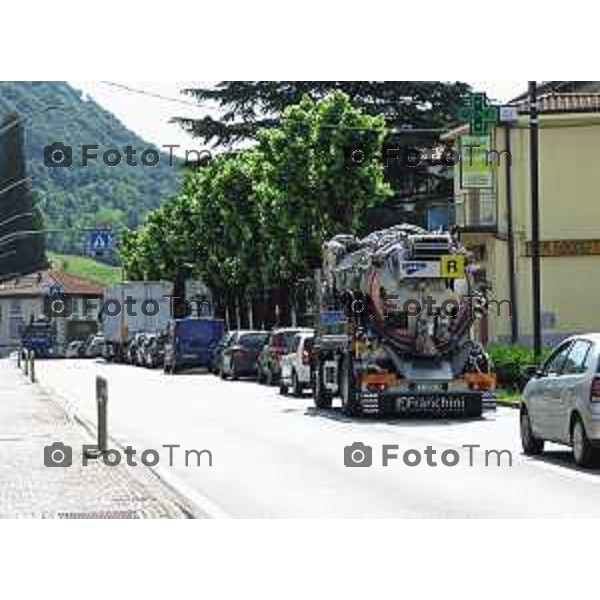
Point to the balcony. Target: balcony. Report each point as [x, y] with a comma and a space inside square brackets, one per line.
[475, 210]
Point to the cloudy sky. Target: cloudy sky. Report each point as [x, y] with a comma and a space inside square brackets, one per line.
[148, 114]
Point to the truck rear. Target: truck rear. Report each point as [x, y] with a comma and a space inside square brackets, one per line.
[133, 307]
[191, 342]
[394, 330]
[39, 337]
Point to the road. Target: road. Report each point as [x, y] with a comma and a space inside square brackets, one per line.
[277, 456]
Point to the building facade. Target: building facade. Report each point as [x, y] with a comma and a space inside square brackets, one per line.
[495, 222]
[22, 300]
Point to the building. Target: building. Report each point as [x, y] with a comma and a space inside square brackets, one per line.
[495, 222]
[22, 301]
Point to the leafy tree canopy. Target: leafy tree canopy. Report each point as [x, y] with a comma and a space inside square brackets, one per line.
[252, 222]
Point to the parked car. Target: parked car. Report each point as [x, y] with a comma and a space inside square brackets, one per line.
[240, 356]
[295, 365]
[191, 342]
[142, 349]
[132, 348]
[215, 365]
[155, 352]
[561, 402]
[278, 343]
[75, 349]
[94, 347]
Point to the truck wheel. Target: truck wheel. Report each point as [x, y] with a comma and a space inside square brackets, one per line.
[473, 408]
[387, 407]
[322, 397]
[532, 446]
[350, 403]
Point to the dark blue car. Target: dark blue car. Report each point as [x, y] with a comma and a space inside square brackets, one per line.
[39, 337]
[191, 342]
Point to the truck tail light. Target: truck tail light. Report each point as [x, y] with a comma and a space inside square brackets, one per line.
[595, 393]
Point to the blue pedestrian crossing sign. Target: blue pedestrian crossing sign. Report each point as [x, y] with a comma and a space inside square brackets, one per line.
[100, 241]
[55, 289]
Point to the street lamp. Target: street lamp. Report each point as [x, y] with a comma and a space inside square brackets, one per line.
[535, 221]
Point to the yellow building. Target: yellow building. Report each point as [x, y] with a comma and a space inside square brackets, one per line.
[569, 185]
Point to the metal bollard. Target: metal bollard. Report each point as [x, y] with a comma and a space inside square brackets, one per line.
[32, 366]
[26, 363]
[102, 401]
[102, 404]
[19, 352]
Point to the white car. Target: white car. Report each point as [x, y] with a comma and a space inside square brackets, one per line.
[75, 349]
[561, 403]
[94, 347]
[295, 366]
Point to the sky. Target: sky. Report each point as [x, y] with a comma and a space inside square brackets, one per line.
[150, 116]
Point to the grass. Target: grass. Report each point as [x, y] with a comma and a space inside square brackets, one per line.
[86, 267]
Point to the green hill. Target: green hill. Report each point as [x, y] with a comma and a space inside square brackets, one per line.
[86, 267]
[72, 199]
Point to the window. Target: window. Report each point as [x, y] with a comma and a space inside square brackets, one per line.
[15, 324]
[294, 343]
[253, 340]
[15, 307]
[576, 361]
[555, 363]
[475, 208]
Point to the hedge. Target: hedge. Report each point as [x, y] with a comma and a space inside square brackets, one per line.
[511, 362]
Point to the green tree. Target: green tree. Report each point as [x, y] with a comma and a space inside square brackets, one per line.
[252, 223]
[246, 107]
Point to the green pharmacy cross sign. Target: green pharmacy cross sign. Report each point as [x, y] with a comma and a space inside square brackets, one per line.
[479, 114]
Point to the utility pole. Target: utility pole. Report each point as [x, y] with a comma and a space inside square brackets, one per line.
[535, 221]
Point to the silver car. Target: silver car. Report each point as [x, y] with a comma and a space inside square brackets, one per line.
[295, 365]
[561, 403]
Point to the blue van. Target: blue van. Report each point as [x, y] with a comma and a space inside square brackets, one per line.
[191, 342]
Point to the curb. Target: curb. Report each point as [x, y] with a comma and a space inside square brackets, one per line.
[510, 403]
[191, 503]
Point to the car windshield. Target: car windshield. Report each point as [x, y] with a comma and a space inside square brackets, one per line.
[253, 340]
[287, 340]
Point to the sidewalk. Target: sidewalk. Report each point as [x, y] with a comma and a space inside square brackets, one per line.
[31, 420]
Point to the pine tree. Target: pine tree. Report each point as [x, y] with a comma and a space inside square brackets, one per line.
[247, 106]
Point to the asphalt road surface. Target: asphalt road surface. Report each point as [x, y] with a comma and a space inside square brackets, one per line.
[275, 456]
